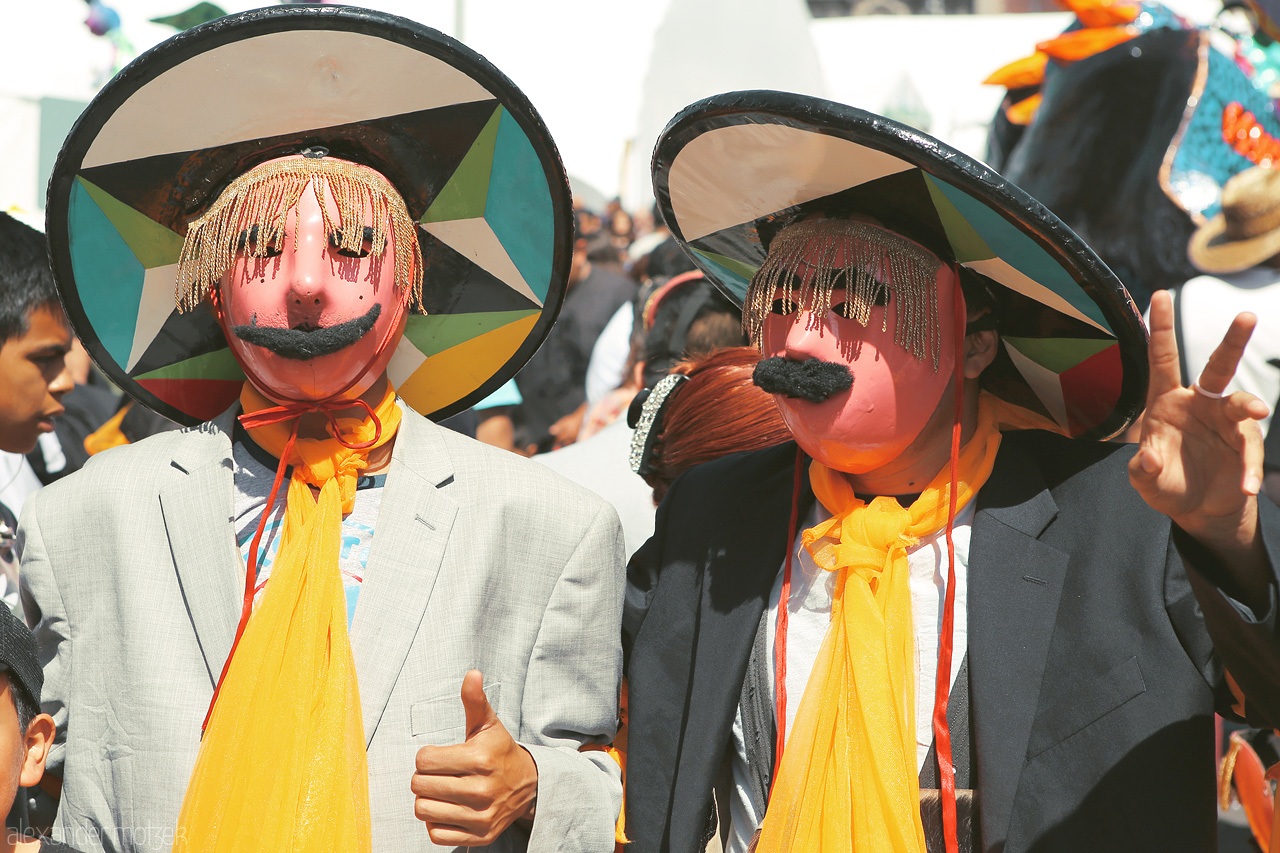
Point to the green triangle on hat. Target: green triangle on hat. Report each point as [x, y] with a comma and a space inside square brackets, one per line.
[1058, 354]
[436, 333]
[967, 244]
[467, 191]
[151, 243]
[734, 273]
[219, 364]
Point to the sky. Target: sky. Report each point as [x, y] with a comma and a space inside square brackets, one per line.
[606, 75]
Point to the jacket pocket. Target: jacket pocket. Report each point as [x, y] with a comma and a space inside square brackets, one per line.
[441, 720]
[1068, 711]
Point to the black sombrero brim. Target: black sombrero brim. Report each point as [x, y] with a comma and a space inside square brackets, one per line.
[728, 169]
[461, 143]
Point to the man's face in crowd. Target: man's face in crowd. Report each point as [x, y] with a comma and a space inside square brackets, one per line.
[894, 395]
[308, 320]
[33, 379]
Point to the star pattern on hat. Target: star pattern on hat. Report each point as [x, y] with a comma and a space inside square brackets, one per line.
[495, 250]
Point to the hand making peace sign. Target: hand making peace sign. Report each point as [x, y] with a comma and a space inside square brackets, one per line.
[1199, 459]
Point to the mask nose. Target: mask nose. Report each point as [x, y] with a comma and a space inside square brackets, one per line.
[308, 274]
[806, 336]
[305, 259]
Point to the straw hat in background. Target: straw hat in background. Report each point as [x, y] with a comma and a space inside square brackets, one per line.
[1247, 231]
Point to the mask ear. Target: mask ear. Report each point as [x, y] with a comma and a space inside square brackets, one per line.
[980, 350]
[39, 739]
[979, 335]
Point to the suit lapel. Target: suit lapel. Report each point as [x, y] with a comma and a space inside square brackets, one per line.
[734, 592]
[1015, 581]
[412, 530]
[197, 512]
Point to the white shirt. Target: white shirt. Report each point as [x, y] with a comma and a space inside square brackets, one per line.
[17, 481]
[602, 464]
[809, 617]
[609, 354]
[1209, 303]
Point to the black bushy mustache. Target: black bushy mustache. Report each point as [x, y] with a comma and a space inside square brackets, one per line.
[304, 344]
[812, 379]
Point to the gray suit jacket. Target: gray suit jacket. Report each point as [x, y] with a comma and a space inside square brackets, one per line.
[480, 559]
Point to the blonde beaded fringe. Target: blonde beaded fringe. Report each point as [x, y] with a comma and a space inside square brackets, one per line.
[258, 203]
[870, 262]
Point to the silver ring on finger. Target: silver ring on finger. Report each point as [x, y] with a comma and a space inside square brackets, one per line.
[1212, 395]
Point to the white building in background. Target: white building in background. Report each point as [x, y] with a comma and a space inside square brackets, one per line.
[606, 75]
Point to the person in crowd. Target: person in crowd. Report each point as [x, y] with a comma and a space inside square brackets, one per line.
[654, 253]
[680, 317]
[425, 653]
[57, 419]
[587, 221]
[709, 407]
[494, 424]
[86, 407]
[34, 342]
[612, 354]
[25, 734]
[553, 384]
[685, 317]
[942, 603]
[620, 226]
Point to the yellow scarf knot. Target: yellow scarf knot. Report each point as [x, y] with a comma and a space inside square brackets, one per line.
[866, 542]
[319, 460]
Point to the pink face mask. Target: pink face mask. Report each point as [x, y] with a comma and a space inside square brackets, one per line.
[313, 321]
[893, 396]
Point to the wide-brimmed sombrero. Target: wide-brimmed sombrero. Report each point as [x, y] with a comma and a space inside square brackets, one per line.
[729, 167]
[462, 145]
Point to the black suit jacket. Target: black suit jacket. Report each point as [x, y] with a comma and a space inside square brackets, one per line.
[1092, 673]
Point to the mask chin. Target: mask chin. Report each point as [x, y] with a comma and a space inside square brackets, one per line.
[859, 433]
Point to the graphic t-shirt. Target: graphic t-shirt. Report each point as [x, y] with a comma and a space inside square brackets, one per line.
[255, 469]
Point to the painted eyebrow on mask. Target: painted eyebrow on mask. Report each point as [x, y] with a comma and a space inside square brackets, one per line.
[248, 239]
[335, 242]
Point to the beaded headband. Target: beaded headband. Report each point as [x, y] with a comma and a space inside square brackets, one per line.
[648, 422]
[872, 263]
[258, 203]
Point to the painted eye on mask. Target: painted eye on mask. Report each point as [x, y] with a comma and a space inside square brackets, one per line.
[784, 307]
[249, 243]
[366, 246]
[848, 309]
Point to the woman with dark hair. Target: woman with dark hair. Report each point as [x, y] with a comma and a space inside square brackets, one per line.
[706, 408]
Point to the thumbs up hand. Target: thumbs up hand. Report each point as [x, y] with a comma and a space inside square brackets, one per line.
[469, 793]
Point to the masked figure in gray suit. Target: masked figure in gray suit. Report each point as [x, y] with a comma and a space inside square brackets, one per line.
[314, 620]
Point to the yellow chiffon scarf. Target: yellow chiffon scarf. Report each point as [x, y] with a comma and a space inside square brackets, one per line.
[282, 763]
[848, 777]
